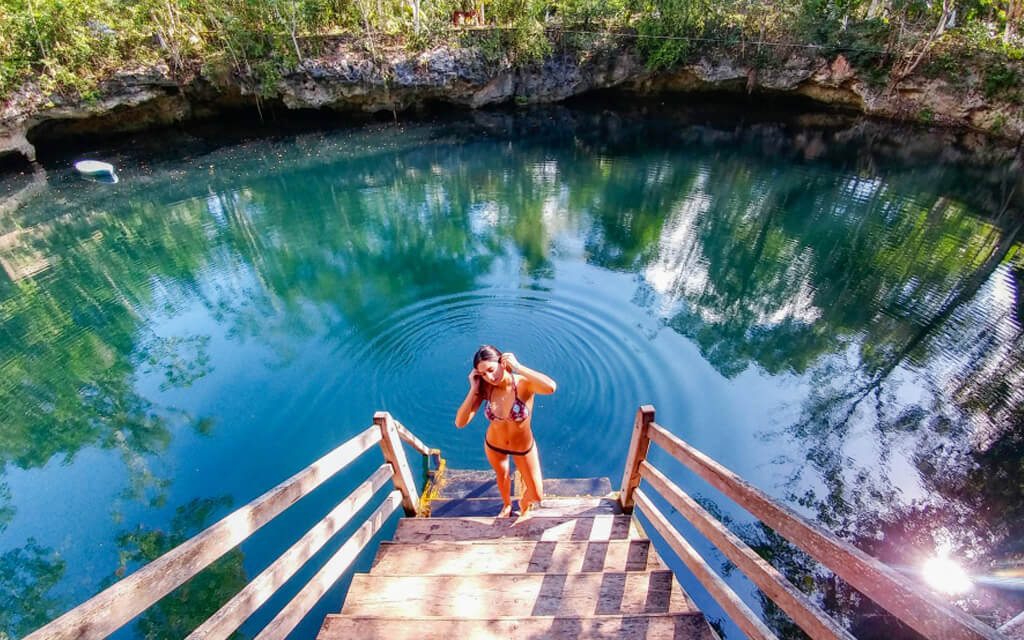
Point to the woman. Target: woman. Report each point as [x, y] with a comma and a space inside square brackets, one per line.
[509, 388]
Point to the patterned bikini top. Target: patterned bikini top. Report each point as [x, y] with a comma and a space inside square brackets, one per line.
[517, 413]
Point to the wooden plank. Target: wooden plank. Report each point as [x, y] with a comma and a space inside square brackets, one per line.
[638, 446]
[464, 483]
[566, 487]
[738, 612]
[896, 593]
[536, 594]
[602, 527]
[634, 627]
[237, 610]
[815, 622]
[107, 611]
[296, 609]
[443, 508]
[391, 444]
[413, 441]
[515, 556]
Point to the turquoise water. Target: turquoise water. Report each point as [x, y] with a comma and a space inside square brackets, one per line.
[839, 325]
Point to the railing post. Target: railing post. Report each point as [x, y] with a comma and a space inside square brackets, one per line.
[638, 447]
[395, 454]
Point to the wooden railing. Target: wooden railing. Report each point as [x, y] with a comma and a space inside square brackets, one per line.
[112, 608]
[891, 590]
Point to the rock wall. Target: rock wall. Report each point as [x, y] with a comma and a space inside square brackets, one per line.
[350, 81]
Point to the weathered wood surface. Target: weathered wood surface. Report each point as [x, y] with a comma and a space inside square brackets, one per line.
[550, 594]
[237, 610]
[297, 608]
[638, 447]
[740, 613]
[391, 444]
[815, 622]
[603, 527]
[570, 487]
[896, 593]
[633, 627]
[408, 436]
[107, 611]
[462, 483]
[442, 508]
[469, 483]
[515, 556]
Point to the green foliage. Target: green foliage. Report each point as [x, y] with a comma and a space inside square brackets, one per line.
[588, 14]
[668, 30]
[1001, 81]
[71, 47]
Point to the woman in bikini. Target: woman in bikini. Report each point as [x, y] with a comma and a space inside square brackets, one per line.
[509, 388]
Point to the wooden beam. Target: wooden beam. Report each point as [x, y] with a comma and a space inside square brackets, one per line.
[898, 595]
[413, 441]
[110, 609]
[738, 612]
[299, 606]
[395, 454]
[237, 610]
[638, 446]
[815, 622]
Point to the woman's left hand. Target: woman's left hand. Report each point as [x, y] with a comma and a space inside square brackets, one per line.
[508, 360]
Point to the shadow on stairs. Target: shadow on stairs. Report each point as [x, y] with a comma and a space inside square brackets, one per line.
[575, 567]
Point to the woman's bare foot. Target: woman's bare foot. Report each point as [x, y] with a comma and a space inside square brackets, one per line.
[506, 511]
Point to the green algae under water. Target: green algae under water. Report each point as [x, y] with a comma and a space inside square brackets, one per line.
[840, 326]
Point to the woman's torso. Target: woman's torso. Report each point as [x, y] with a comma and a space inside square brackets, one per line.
[508, 433]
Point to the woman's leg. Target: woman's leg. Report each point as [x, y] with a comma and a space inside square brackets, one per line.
[499, 461]
[529, 468]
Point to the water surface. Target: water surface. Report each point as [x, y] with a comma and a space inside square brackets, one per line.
[834, 319]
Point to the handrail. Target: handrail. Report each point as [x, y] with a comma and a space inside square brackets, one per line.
[238, 609]
[115, 606]
[740, 613]
[407, 436]
[889, 589]
[818, 624]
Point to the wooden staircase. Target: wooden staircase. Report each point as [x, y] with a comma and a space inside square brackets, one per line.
[575, 568]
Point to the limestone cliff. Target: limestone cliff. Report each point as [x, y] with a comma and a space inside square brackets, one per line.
[346, 80]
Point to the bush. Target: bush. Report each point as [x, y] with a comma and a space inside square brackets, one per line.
[1001, 81]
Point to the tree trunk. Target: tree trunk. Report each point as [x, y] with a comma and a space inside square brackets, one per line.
[1014, 12]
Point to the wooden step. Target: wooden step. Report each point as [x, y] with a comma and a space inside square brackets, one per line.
[514, 556]
[443, 508]
[566, 487]
[600, 527]
[523, 594]
[467, 483]
[632, 627]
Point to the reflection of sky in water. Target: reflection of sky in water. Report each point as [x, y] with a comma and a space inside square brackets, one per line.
[317, 294]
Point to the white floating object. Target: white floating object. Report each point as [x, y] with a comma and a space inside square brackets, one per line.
[95, 168]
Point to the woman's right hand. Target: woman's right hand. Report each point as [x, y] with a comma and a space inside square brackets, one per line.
[474, 379]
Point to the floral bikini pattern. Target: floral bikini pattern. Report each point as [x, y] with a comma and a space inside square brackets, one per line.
[517, 413]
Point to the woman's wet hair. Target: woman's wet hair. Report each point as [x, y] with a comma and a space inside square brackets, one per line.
[485, 353]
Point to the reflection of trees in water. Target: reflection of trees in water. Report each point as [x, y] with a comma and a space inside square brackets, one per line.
[840, 278]
[862, 291]
[178, 613]
[73, 334]
[27, 573]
